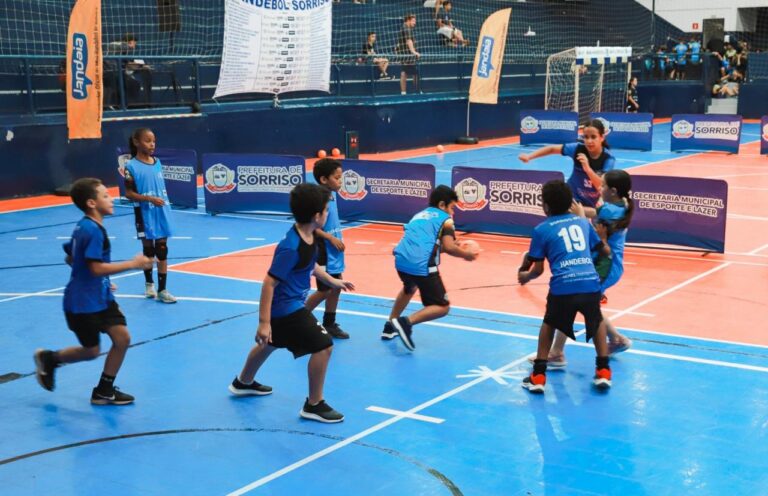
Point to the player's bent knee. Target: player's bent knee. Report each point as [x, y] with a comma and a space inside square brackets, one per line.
[161, 250]
[149, 251]
[92, 352]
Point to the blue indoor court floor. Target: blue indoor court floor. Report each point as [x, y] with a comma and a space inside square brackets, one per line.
[687, 414]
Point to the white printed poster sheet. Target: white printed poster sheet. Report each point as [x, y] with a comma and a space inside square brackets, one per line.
[275, 46]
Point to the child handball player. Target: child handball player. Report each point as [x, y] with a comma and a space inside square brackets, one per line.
[417, 257]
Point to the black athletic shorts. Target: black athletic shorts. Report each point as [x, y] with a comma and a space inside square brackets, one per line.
[562, 309]
[321, 286]
[430, 287]
[408, 66]
[87, 326]
[300, 332]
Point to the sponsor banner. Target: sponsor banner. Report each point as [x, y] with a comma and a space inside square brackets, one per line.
[84, 70]
[627, 130]
[706, 132]
[179, 173]
[548, 126]
[764, 135]
[499, 200]
[384, 191]
[602, 55]
[484, 86]
[275, 46]
[679, 211]
[250, 181]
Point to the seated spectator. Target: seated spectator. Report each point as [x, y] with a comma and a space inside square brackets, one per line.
[740, 60]
[445, 27]
[137, 74]
[369, 50]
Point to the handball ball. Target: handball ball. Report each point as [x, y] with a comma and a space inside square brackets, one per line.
[470, 245]
[335, 152]
[321, 154]
[440, 148]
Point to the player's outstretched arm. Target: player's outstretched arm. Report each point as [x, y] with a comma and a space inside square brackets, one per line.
[525, 276]
[541, 152]
[99, 269]
[451, 247]
[321, 274]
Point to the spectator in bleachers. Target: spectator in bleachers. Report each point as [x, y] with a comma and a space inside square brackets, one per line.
[633, 100]
[740, 60]
[445, 28]
[695, 49]
[137, 75]
[663, 67]
[369, 50]
[406, 47]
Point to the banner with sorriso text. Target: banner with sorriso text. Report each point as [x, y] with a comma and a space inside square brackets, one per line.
[718, 132]
[179, 174]
[384, 191]
[499, 200]
[275, 46]
[250, 181]
[548, 126]
[627, 130]
[764, 135]
[679, 211]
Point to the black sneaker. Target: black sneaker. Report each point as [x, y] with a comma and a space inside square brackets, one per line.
[114, 397]
[403, 327]
[45, 368]
[389, 331]
[322, 412]
[336, 331]
[252, 389]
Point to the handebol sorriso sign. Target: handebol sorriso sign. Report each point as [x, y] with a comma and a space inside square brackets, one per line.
[548, 126]
[627, 130]
[250, 182]
[764, 135]
[384, 191]
[499, 200]
[706, 132]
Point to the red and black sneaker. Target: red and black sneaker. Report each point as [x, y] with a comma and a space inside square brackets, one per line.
[535, 383]
[602, 378]
[603, 300]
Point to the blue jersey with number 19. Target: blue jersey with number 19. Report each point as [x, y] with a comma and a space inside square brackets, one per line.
[566, 241]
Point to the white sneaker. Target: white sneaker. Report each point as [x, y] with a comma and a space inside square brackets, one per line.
[165, 297]
[149, 290]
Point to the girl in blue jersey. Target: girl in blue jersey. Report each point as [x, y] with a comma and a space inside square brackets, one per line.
[89, 305]
[145, 186]
[417, 257]
[591, 160]
[612, 217]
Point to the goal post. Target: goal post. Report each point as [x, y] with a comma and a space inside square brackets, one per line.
[588, 79]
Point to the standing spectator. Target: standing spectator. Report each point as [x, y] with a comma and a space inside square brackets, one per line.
[695, 68]
[740, 60]
[445, 28]
[137, 74]
[681, 51]
[633, 102]
[369, 50]
[406, 46]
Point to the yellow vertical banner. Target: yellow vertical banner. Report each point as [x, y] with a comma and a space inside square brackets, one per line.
[489, 58]
[84, 70]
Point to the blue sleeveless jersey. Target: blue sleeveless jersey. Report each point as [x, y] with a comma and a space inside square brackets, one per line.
[85, 292]
[292, 265]
[610, 213]
[335, 261]
[418, 252]
[583, 190]
[566, 241]
[149, 181]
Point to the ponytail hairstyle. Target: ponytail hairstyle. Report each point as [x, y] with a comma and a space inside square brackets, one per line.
[136, 135]
[598, 124]
[622, 183]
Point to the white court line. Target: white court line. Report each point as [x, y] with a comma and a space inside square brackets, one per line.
[181, 237]
[758, 249]
[721, 176]
[218, 238]
[747, 217]
[63, 237]
[254, 239]
[360, 435]
[414, 416]
[26, 238]
[365, 242]
[508, 252]
[746, 188]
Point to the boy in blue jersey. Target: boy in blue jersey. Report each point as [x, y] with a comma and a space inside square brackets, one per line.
[327, 173]
[284, 321]
[566, 241]
[89, 305]
[417, 257]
